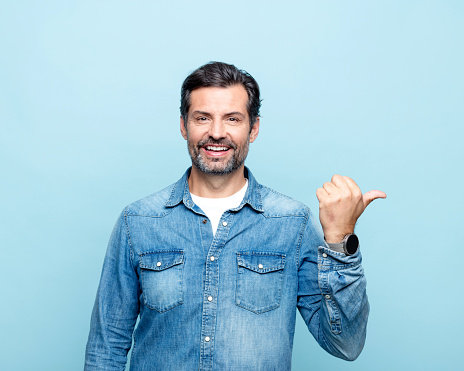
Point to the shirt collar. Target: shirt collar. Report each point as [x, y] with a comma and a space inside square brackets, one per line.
[181, 193]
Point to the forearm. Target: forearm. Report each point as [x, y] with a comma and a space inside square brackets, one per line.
[344, 307]
[116, 306]
[332, 296]
[110, 339]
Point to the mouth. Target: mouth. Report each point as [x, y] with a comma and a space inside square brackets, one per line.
[215, 150]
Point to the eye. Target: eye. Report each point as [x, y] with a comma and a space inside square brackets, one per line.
[235, 119]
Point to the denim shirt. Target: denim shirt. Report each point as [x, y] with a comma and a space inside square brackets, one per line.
[222, 302]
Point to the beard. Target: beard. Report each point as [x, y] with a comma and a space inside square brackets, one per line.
[218, 166]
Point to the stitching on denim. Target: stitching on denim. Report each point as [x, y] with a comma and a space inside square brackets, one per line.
[258, 311]
[153, 216]
[159, 251]
[169, 201]
[272, 253]
[201, 235]
[239, 303]
[131, 252]
[336, 321]
[145, 300]
[336, 267]
[331, 304]
[179, 260]
[300, 239]
[284, 216]
[244, 264]
[260, 199]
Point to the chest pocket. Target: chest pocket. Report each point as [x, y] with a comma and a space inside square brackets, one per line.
[259, 281]
[161, 273]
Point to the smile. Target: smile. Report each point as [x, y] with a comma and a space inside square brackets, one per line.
[216, 148]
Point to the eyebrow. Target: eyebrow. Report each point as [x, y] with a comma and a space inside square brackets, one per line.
[209, 114]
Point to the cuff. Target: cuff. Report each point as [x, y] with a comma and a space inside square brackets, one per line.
[331, 260]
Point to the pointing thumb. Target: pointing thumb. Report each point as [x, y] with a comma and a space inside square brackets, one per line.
[370, 196]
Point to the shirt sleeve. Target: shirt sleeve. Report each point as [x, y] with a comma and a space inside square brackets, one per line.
[116, 306]
[332, 295]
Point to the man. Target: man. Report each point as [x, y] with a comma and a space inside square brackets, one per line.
[215, 265]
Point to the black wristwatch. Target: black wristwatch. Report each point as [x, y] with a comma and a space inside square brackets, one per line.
[349, 244]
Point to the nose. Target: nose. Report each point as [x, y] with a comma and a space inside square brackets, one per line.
[217, 129]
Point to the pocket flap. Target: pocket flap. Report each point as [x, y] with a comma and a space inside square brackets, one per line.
[261, 262]
[160, 260]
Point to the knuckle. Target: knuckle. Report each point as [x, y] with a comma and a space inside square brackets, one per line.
[346, 195]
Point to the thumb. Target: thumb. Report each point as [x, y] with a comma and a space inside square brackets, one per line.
[370, 196]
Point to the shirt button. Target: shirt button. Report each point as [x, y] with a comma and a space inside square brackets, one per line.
[210, 298]
[205, 221]
[207, 339]
[158, 264]
[260, 266]
[212, 258]
[224, 224]
[324, 255]
[327, 296]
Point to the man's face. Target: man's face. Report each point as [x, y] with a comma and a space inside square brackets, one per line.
[218, 129]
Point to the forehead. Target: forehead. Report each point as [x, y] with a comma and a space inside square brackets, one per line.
[219, 100]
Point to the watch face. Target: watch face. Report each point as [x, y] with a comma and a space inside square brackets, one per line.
[352, 244]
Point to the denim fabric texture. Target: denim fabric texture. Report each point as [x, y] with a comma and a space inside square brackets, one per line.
[222, 302]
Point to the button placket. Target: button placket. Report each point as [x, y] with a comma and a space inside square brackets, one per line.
[211, 292]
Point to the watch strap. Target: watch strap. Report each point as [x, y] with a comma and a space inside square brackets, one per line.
[342, 246]
[338, 247]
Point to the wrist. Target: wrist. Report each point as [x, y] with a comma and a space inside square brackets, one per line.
[337, 236]
[349, 245]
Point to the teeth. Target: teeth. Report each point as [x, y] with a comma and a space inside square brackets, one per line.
[214, 148]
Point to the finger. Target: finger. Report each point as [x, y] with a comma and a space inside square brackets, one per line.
[339, 181]
[321, 194]
[330, 188]
[355, 190]
[370, 196]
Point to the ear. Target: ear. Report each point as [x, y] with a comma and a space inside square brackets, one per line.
[183, 129]
[254, 130]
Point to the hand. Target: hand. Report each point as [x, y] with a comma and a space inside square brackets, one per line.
[341, 203]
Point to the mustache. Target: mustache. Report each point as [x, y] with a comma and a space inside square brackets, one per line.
[220, 142]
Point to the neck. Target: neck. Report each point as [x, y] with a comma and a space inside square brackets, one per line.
[216, 186]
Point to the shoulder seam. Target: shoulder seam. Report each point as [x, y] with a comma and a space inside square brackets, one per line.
[131, 252]
[300, 237]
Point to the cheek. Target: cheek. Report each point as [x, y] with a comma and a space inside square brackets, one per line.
[197, 133]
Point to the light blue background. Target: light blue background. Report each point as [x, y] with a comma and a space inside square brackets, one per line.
[89, 96]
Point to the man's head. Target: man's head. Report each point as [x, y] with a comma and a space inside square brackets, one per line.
[220, 75]
[216, 119]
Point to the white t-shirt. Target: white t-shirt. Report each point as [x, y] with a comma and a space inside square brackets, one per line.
[215, 207]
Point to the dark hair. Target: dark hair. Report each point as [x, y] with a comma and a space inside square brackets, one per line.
[218, 74]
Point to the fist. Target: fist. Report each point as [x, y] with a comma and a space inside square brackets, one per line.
[341, 203]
